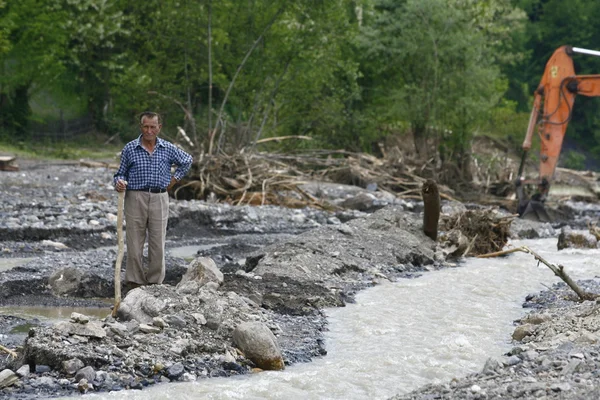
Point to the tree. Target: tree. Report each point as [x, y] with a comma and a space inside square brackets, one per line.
[32, 44]
[438, 67]
[97, 30]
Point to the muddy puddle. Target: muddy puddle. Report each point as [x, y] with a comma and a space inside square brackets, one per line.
[9, 263]
[39, 315]
[190, 252]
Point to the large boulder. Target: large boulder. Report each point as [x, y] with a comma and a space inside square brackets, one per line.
[141, 306]
[259, 345]
[7, 378]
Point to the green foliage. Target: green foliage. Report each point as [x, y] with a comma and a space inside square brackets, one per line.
[437, 66]
[573, 160]
[344, 72]
[506, 123]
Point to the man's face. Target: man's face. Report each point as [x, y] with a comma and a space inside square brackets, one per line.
[150, 128]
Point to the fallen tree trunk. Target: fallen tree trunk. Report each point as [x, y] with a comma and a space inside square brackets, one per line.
[558, 270]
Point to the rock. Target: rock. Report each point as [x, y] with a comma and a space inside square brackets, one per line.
[180, 347]
[55, 245]
[118, 329]
[149, 328]
[23, 371]
[72, 366]
[159, 322]
[361, 202]
[175, 371]
[83, 386]
[200, 319]
[66, 281]
[117, 352]
[492, 365]
[513, 360]
[45, 382]
[535, 319]
[258, 344]
[187, 377]
[569, 238]
[202, 270]
[140, 306]
[8, 378]
[87, 373]
[92, 329]
[176, 321]
[522, 331]
[79, 318]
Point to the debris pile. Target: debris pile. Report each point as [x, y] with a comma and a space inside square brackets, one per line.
[276, 179]
[486, 231]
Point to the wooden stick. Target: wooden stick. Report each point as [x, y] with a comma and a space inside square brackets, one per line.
[120, 206]
[500, 253]
[9, 351]
[558, 270]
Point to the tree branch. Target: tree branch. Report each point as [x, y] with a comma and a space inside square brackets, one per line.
[558, 270]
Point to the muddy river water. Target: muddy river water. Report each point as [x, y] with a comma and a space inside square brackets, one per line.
[399, 336]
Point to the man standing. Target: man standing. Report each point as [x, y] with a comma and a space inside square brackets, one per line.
[145, 174]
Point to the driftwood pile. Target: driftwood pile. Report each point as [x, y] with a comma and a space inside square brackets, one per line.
[477, 231]
[277, 179]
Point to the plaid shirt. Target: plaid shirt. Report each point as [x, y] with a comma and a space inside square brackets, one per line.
[143, 170]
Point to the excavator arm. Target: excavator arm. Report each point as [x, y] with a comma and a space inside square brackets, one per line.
[551, 113]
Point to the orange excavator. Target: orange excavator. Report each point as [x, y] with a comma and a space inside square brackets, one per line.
[551, 113]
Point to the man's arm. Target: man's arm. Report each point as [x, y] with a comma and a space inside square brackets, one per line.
[183, 161]
[119, 178]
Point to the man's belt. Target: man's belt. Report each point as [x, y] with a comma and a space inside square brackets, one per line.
[150, 190]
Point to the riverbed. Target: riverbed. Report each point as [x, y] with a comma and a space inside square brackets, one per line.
[402, 335]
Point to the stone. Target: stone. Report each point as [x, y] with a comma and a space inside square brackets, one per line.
[522, 332]
[87, 373]
[83, 386]
[258, 344]
[79, 318]
[141, 306]
[66, 281]
[7, 378]
[149, 328]
[176, 321]
[92, 329]
[492, 365]
[175, 371]
[200, 319]
[202, 270]
[118, 329]
[72, 366]
[23, 371]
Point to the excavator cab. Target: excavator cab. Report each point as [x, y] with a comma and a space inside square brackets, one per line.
[550, 115]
